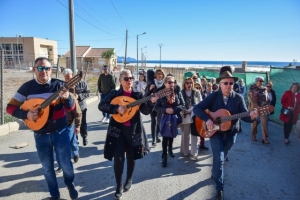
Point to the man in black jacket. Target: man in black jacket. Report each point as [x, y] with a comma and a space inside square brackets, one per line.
[222, 141]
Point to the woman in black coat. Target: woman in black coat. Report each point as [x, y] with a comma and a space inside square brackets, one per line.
[129, 137]
[271, 95]
[154, 84]
[172, 104]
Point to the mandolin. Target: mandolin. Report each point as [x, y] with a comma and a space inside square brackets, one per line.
[43, 105]
[132, 105]
[222, 120]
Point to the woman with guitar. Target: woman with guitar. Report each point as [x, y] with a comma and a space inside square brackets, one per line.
[173, 104]
[152, 87]
[126, 135]
[222, 141]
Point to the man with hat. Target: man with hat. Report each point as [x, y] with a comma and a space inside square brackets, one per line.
[257, 97]
[106, 83]
[222, 141]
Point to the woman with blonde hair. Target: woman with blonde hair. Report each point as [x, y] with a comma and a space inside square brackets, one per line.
[152, 87]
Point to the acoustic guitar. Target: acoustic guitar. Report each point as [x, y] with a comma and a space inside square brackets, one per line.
[132, 105]
[222, 120]
[43, 105]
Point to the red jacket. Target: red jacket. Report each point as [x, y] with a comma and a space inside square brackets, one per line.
[288, 100]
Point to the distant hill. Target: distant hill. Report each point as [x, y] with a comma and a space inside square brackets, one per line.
[121, 59]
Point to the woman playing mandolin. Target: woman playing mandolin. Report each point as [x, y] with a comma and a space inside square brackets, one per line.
[222, 141]
[128, 136]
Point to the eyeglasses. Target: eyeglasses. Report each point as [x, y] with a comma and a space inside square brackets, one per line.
[268, 86]
[171, 82]
[188, 83]
[197, 88]
[41, 68]
[127, 78]
[226, 83]
[159, 74]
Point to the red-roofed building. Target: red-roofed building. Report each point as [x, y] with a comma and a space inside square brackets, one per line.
[93, 56]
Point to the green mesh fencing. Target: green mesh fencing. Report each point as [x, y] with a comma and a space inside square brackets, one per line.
[282, 79]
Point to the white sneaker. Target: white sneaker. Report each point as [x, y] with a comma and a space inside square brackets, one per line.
[103, 119]
[106, 121]
[194, 157]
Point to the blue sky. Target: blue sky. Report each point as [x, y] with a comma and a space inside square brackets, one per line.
[250, 30]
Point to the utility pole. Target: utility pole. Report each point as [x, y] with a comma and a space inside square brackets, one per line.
[137, 52]
[126, 49]
[72, 37]
[160, 45]
[18, 35]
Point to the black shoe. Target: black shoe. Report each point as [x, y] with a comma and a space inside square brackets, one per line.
[220, 195]
[119, 192]
[203, 148]
[158, 140]
[76, 158]
[164, 160]
[58, 170]
[226, 159]
[127, 185]
[171, 154]
[84, 140]
[54, 198]
[72, 192]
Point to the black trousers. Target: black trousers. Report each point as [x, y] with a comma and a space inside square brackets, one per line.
[287, 128]
[154, 126]
[167, 142]
[124, 145]
[83, 127]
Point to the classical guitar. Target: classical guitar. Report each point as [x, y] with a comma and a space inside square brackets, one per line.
[222, 120]
[132, 105]
[43, 105]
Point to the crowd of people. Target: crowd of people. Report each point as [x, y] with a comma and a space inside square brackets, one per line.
[179, 107]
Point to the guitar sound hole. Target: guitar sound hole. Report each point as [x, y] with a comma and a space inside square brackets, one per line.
[218, 120]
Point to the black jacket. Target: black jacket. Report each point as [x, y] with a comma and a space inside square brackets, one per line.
[140, 143]
[213, 102]
[273, 102]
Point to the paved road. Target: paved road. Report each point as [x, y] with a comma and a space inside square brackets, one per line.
[254, 171]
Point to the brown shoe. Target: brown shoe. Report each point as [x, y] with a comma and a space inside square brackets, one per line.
[254, 138]
[265, 141]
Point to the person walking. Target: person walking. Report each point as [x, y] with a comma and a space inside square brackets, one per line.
[171, 105]
[152, 87]
[54, 135]
[128, 137]
[81, 92]
[258, 97]
[106, 83]
[140, 85]
[222, 141]
[290, 100]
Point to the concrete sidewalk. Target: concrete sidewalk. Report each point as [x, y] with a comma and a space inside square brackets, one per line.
[254, 171]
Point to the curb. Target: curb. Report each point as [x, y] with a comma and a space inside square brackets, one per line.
[15, 126]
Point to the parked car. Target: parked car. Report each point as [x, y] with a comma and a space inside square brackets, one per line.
[60, 68]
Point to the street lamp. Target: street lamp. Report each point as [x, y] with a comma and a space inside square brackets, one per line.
[160, 54]
[137, 52]
[18, 35]
[142, 55]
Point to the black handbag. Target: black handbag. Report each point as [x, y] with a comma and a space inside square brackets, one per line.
[286, 112]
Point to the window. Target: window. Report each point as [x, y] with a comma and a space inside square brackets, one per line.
[18, 49]
[7, 49]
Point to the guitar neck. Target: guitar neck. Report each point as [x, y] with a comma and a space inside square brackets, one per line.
[138, 102]
[67, 86]
[235, 116]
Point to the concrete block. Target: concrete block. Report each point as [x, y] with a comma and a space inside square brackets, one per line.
[4, 129]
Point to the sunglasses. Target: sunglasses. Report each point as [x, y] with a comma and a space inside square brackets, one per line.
[197, 88]
[261, 81]
[268, 86]
[41, 68]
[127, 78]
[226, 83]
[188, 83]
[170, 82]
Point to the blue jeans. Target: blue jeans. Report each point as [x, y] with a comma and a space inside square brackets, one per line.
[220, 145]
[73, 144]
[104, 113]
[58, 140]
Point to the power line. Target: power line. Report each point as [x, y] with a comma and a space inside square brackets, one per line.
[88, 21]
[118, 13]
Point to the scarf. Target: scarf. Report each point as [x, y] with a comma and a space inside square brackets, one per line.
[158, 83]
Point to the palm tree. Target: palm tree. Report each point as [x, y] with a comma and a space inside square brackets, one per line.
[108, 55]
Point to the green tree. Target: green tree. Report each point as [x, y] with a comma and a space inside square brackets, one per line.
[108, 55]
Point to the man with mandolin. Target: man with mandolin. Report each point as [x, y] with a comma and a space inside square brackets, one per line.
[225, 99]
[37, 104]
[126, 133]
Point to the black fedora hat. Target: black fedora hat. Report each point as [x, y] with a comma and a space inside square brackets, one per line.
[226, 72]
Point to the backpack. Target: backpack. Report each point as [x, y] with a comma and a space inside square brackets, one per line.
[168, 125]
